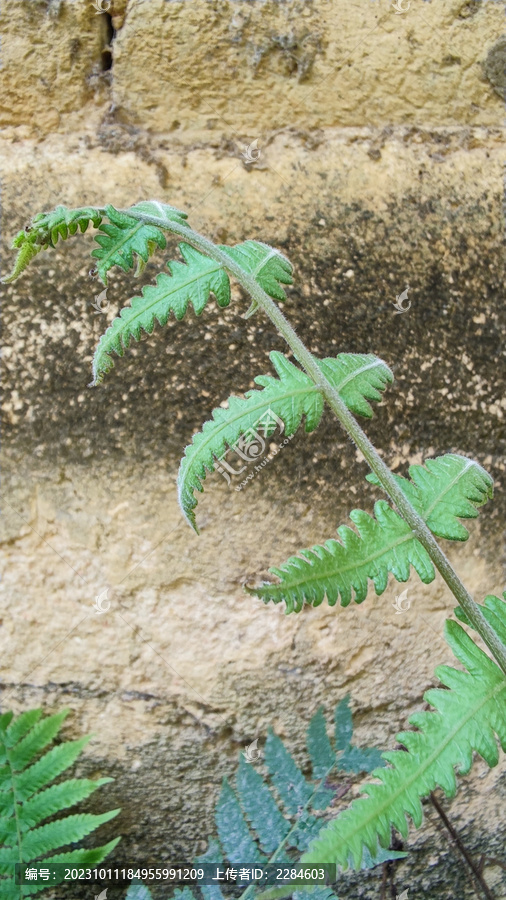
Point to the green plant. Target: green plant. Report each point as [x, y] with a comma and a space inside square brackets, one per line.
[28, 798]
[428, 504]
[273, 818]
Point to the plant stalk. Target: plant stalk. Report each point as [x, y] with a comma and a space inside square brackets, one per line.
[483, 886]
[353, 429]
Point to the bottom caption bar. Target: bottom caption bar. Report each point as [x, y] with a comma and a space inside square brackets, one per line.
[205, 874]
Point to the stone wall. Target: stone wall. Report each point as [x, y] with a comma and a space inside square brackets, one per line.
[380, 145]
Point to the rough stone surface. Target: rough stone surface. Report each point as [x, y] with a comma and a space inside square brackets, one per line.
[389, 176]
[263, 65]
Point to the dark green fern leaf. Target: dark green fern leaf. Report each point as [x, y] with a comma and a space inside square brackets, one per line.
[28, 799]
[138, 891]
[469, 715]
[233, 832]
[315, 892]
[323, 757]
[46, 229]
[214, 856]
[260, 807]
[352, 758]
[284, 400]
[190, 282]
[452, 486]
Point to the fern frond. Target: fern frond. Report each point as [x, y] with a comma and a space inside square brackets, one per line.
[266, 264]
[139, 891]
[63, 222]
[24, 806]
[27, 249]
[233, 832]
[467, 486]
[46, 229]
[123, 237]
[469, 715]
[342, 568]
[451, 486]
[269, 819]
[254, 821]
[493, 611]
[286, 400]
[192, 281]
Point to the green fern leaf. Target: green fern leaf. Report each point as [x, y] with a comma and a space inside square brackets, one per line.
[338, 568]
[121, 238]
[469, 715]
[70, 830]
[452, 486]
[467, 486]
[192, 281]
[24, 807]
[27, 249]
[44, 804]
[287, 399]
[316, 892]
[21, 725]
[45, 230]
[493, 611]
[266, 264]
[63, 222]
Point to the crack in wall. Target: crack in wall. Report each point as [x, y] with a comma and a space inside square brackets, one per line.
[109, 34]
